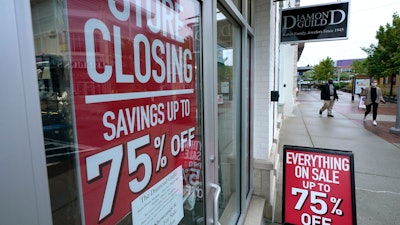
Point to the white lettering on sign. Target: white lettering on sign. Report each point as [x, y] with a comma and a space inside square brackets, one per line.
[141, 52]
[160, 16]
[178, 141]
[114, 157]
[327, 176]
[164, 20]
[129, 120]
[90, 26]
[124, 15]
[315, 160]
[177, 67]
[316, 19]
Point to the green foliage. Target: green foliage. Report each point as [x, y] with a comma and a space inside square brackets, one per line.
[345, 76]
[359, 67]
[308, 75]
[324, 70]
[349, 86]
[384, 58]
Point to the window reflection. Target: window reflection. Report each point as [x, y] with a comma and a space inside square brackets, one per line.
[52, 69]
[228, 53]
[56, 90]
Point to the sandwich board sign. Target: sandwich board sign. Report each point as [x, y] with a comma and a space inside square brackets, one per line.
[318, 186]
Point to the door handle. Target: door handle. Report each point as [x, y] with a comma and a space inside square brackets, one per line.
[216, 198]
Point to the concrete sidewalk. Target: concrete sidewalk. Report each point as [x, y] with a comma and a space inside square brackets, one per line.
[376, 151]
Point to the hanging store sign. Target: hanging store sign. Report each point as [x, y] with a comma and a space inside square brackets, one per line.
[314, 23]
[318, 186]
[133, 65]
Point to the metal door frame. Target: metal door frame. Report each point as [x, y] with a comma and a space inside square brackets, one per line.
[209, 40]
[209, 29]
[24, 186]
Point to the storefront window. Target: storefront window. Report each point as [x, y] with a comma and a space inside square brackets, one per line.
[229, 117]
[120, 95]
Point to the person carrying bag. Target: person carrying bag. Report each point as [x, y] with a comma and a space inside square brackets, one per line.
[373, 95]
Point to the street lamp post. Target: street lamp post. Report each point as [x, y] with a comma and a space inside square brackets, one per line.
[353, 87]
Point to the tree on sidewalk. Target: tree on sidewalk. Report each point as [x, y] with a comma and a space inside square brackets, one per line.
[324, 70]
[384, 58]
[359, 67]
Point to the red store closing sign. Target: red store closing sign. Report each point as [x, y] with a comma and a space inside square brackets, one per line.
[318, 187]
[133, 65]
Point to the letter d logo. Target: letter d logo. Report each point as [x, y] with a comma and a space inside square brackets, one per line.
[289, 22]
[343, 16]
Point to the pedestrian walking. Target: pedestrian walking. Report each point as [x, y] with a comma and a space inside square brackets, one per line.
[373, 95]
[328, 95]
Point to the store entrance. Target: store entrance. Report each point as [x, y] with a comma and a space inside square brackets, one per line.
[229, 117]
[121, 99]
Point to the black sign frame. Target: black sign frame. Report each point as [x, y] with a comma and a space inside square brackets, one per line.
[314, 23]
[310, 150]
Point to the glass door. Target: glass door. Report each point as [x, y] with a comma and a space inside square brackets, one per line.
[229, 117]
[121, 100]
